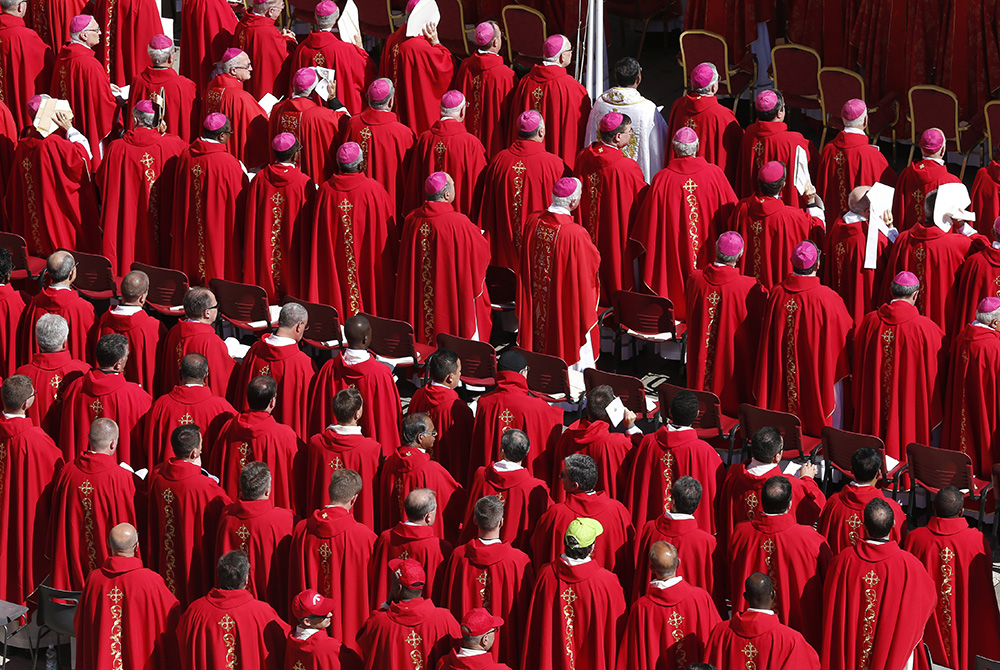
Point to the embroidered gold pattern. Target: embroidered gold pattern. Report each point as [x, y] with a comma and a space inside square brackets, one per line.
[750, 652]
[507, 419]
[347, 220]
[416, 656]
[667, 461]
[168, 540]
[888, 365]
[87, 502]
[854, 523]
[427, 281]
[3, 464]
[109, 35]
[289, 122]
[244, 534]
[440, 151]
[319, 59]
[964, 424]
[791, 371]
[56, 383]
[484, 593]
[115, 595]
[758, 153]
[767, 546]
[537, 96]
[868, 627]
[31, 202]
[594, 182]
[39, 12]
[336, 464]
[541, 269]
[477, 106]
[277, 219]
[947, 572]
[199, 215]
[711, 336]
[758, 243]
[918, 204]
[569, 614]
[516, 218]
[694, 220]
[186, 420]
[324, 554]
[153, 191]
[244, 450]
[229, 639]
[676, 621]
[751, 502]
[366, 138]
[920, 253]
[842, 186]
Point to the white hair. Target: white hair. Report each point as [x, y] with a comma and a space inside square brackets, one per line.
[328, 21]
[856, 123]
[715, 80]
[986, 318]
[566, 202]
[159, 56]
[144, 119]
[685, 149]
[228, 66]
[291, 315]
[566, 46]
[51, 332]
[453, 111]
[78, 32]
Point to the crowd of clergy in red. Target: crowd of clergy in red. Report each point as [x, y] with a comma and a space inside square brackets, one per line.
[280, 511]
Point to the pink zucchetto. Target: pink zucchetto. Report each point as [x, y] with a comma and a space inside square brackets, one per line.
[730, 244]
[685, 136]
[771, 172]
[231, 53]
[379, 90]
[611, 121]
[804, 255]
[452, 99]
[529, 121]
[701, 76]
[325, 8]
[435, 183]
[79, 23]
[853, 109]
[987, 305]
[214, 121]
[566, 187]
[905, 278]
[554, 46]
[304, 78]
[145, 106]
[766, 101]
[484, 33]
[283, 142]
[931, 140]
[160, 42]
[410, 5]
[36, 102]
[348, 153]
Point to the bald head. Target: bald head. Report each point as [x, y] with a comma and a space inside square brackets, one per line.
[663, 560]
[358, 331]
[135, 286]
[103, 436]
[123, 539]
[857, 201]
[759, 591]
[61, 266]
[194, 369]
[419, 505]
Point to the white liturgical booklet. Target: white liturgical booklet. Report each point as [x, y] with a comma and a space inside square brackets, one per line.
[880, 201]
[425, 12]
[349, 25]
[802, 179]
[616, 411]
[952, 205]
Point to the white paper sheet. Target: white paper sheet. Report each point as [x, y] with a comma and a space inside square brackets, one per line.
[268, 102]
[44, 120]
[349, 25]
[327, 85]
[952, 205]
[801, 176]
[616, 411]
[425, 12]
[880, 201]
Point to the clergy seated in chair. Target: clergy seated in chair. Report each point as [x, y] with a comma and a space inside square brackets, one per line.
[59, 298]
[719, 133]
[966, 622]
[877, 600]
[480, 630]
[577, 613]
[407, 626]
[920, 178]
[671, 622]
[126, 602]
[415, 538]
[488, 84]
[310, 645]
[181, 104]
[144, 333]
[331, 553]
[229, 625]
[840, 521]
[195, 334]
[451, 415]
[767, 140]
[755, 635]
[488, 572]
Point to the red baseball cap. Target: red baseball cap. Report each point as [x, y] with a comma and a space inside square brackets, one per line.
[409, 573]
[479, 621]
[312, 603]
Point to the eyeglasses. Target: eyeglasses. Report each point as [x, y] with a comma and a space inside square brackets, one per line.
[432, 433]
[216, 305]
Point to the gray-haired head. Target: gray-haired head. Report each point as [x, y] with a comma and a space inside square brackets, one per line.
[51, 333]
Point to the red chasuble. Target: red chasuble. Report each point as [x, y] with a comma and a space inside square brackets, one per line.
[256, 436]
[611, 452]
[511, 405]
[11, 309]
[354, 69]
[968, 57]
[184, 509]
[760, 639]
[429, 629]
[264, 533]
[966, 622]
[319, 652]
[453, 420]
[92, 495]
[771, 230]
[719, 133]
[517, 182]
[77, 76]
[525, 499]
[842, 518]
[915, 182]
[318, 130]
[442, 275]
[686, 208]
[985, 194]
[977, 278]
[498, 578]
[353, 247]
[184, 405]
[576, 618]
[331, 553]
[373, 380]
[193, 337]
[50, 374]
[385, 144]
[145, 335]
[423, 74]
[477, 662]
[337, 448]
[53, 165]
[724, 313]
[103, 395]
[269, 51]
[843, 268]
[662, 458]
[26, 62]
[411, 468]
[404, 540]
[208, 27]
[667, 628]
[446, 147]
[279, 209]
[209, 202]
[794, 557]
[29, 461]
[847, 162]
[877, 600]
[935, 257]
[248, 142]
[702, 560]
[973, 410]
[389, 62]
[805, 347]
[559, 287]
[126, 618]
[51, 18]
[231, 628]
[613, 187]
[79, 314]
[180, 95]
[551, 91]
[766, 141]
[128, 26]
[136, 182]
[487, 84]
[292, 369]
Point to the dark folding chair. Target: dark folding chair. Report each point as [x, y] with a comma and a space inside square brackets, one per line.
[393, 343]
[630, 389]
[501, 282]
[838, 446]
[642, 316]
[795, 72]
[702, 46]
[56, 609]
[525, 31]
[95, 278]
[933, 469]
[25, 266]
[323, 331]
[479, 359]
[838, 85]
[167, 289]
[548, 377]
[452, 30]
[711, 425]
[936, 107]
[243, 305]
[797, 445]
[376, 18]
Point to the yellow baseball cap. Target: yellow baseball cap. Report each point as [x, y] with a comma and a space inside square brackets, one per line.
[584, 531]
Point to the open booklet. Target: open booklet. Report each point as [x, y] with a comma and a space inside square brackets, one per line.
[425, 12]
[44, 121]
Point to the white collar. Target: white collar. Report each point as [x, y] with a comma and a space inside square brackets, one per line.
[980, 325]
[507, 466]
[355, 356]
[854, 131]
[859, 486]
[480, 51]
[610, 146]
[671, 428]
[752, 609]
[126, 310]
[190, 385]
[995, 245]
[439, 384]
[492, 540]
[936, 160]
[344, 430]
[469, 652]
[291, 165]
[305, 633]
[676, 516]
[12, 416]
[410, 523]
[205, 139]
[665, 583]
[574, 561]
[555, 209]
[83, 44]
[279, 340]
[58, 287]
[851, 217]
[756, 468]
[547, 63]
